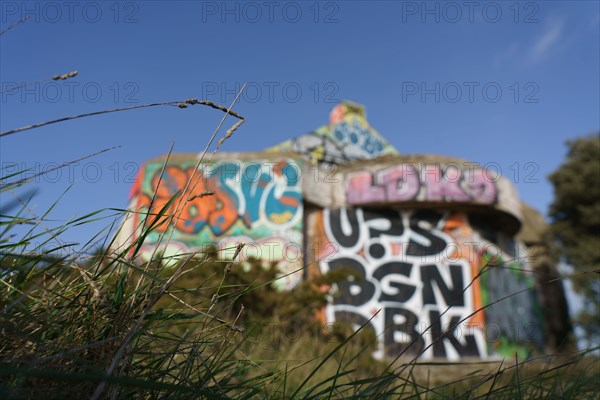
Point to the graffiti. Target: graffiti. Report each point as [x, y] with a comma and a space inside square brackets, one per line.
[521, 326]
[223, 197]
[222, 204]
[196, 212]
[358, 141]
[418, 268]
[317, 147]
[400, 264]
[411, 182]
[348, 137]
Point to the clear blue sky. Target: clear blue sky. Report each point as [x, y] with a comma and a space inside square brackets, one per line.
[543, 56]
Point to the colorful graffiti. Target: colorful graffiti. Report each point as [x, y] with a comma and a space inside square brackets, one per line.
[348, 137]
[414, 182]
[224, 198]
[317, 147]
[418, 267]
[358, 140]
[232, 201]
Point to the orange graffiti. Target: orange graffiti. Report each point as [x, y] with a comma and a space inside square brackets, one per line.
[458, 227]
[203, 203]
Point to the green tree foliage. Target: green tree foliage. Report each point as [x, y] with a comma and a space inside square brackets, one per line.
[575, 215]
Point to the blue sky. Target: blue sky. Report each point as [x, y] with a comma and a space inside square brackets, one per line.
[528, 75]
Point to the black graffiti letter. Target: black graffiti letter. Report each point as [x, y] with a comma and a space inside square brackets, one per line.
[357, 280]
[345, 239]
[452, 296]
[414, 343]
[436, 243]
[438, 336]
[390, 218]
[403, 291]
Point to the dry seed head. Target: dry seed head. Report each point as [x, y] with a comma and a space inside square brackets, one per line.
[65, 76]
[239, 248]
[201, 195]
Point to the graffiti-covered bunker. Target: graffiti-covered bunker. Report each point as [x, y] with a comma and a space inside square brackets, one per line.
[429, 239]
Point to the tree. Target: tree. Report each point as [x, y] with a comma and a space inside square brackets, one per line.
[575, 225]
